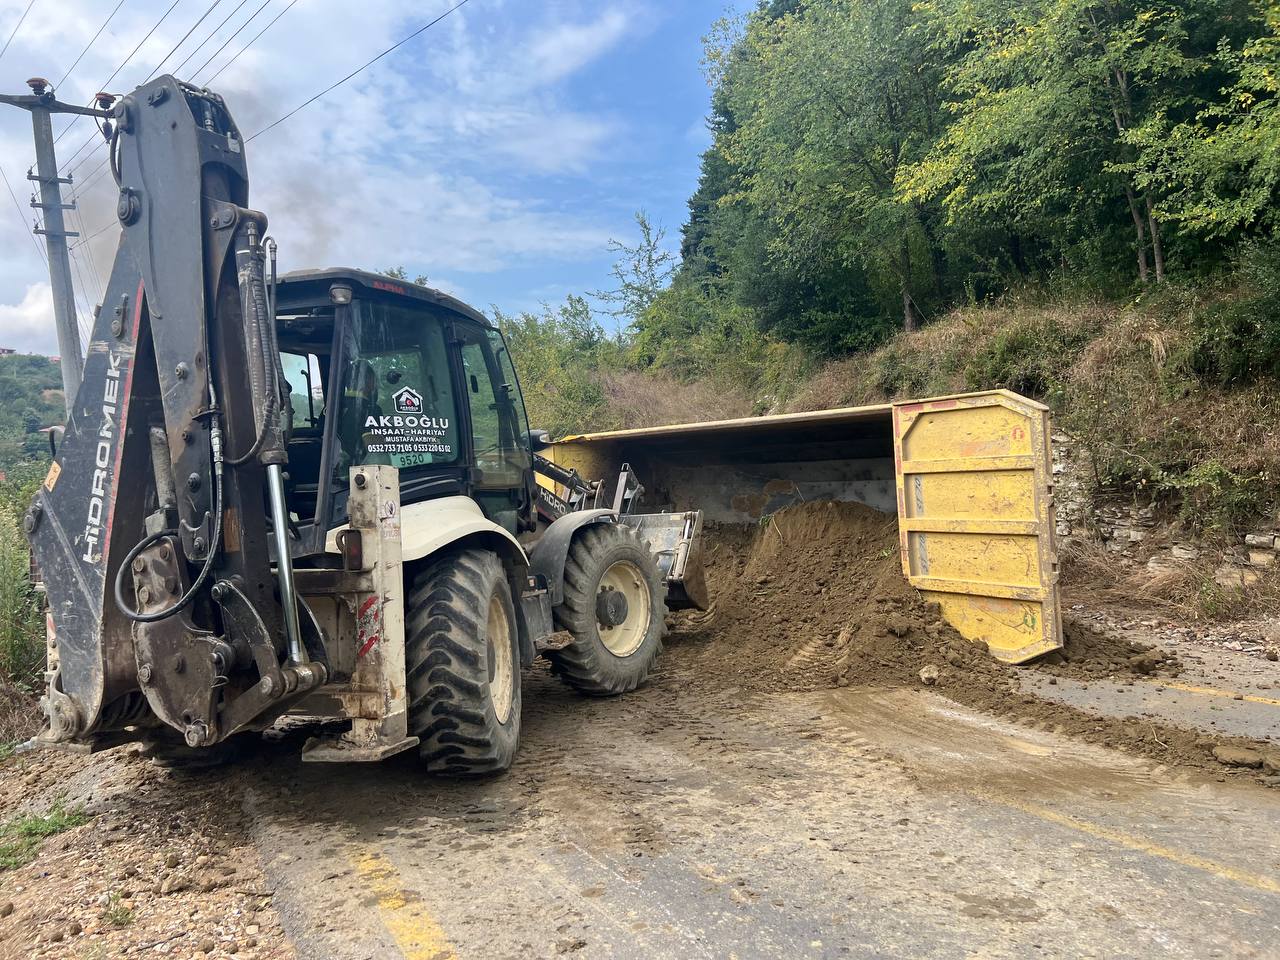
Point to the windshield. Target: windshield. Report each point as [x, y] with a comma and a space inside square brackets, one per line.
[397, 405]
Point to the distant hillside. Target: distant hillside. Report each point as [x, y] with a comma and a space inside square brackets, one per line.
[30, 399]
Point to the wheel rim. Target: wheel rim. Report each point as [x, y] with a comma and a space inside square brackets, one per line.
[501, 661]
[625, 638]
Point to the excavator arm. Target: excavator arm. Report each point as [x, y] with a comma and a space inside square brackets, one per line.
[156, 525]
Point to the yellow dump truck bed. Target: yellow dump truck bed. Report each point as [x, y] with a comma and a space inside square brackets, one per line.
[969, 478]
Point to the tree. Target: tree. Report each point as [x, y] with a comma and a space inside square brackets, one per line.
[1217, 162]
[844, 95]
[1047, 96]
[641, 271]
[560, 355]
[398, 273]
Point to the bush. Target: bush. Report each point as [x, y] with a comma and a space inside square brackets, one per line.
[21, 624]
[1237, 341]
[1025, 357]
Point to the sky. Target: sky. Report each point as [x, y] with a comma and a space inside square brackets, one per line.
[497, 153]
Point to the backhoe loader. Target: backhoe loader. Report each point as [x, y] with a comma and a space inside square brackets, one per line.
[314, 495]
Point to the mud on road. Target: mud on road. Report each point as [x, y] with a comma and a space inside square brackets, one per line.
[787, 785]
[677, 822]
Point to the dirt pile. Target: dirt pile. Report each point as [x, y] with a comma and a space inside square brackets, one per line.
[814, 598]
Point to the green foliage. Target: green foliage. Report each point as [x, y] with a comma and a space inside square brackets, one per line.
[21, 836]
[560, 355]
[116, 912]
[1217, 160]
[30, 398]
[640, 271]
[1025, 357]
[399, 273]
[1238, 341]
[22, 651]
[876, 162]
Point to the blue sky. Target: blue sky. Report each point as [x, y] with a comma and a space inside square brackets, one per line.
[497, 153]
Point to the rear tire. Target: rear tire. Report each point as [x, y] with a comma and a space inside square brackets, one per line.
[609, 658]
[462, 664]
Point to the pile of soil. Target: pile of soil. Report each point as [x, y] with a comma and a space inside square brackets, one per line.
[814, 598]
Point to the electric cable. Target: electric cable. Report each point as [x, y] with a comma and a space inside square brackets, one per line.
[157, 67]
[253, 16]
[17, 26]
[75, 63]
[22, 216]
[101, 229]
[123, 64]
[209, 37]
[84, 322]
[88, 250]
[333, 86]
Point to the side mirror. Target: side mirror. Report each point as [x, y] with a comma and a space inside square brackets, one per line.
[538, 440]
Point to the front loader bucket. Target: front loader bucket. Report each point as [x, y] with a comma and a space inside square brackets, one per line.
[968, 477]
[676, 540]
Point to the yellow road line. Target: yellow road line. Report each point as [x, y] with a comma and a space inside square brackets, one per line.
[414, 930]
[1256, 880]
[1214, 692]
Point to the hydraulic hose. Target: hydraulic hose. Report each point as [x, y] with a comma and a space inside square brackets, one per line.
[215, 438]
[262, 326]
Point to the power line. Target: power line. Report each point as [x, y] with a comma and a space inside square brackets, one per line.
[424, 27]
[106, 226]
[76, 62]
[88, 250]
[183, 40]
[196, 71]
[84, 325]
[123, 64]
[22, 216]
[210, 36]
[5, 48]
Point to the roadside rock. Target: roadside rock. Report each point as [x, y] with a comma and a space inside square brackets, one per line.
[1237, 756]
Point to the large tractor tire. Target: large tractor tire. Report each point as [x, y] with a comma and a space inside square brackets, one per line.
[614, 606]
[462, 663]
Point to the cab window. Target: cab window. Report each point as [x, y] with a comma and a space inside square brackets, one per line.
[306, 390]
[502, 459]
[397, 405]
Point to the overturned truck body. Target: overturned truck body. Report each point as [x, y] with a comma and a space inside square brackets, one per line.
[969, 478]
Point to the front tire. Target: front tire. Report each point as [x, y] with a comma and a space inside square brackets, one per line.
[462, 664]
[614, 643]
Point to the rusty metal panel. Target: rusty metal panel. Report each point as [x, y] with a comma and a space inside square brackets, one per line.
[376, 696]
[975, 517]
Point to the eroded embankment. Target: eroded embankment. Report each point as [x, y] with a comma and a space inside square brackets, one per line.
[814, 597]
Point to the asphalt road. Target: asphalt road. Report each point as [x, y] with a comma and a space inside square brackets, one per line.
[678, 822]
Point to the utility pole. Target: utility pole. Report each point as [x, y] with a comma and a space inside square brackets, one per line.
[42, 105]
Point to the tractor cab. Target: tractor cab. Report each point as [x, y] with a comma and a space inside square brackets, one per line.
[381, 371]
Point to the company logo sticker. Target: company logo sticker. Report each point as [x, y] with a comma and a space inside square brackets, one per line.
[407, 400]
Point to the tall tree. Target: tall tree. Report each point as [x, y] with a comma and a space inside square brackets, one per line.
[1216, 162]
[842, 95]
[641, 271]
[1047, 95]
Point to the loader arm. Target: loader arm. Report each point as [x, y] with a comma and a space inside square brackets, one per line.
[151, 528]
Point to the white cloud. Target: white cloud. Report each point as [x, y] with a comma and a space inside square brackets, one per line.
[434, 158]
[27, 326]
[565, 48]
